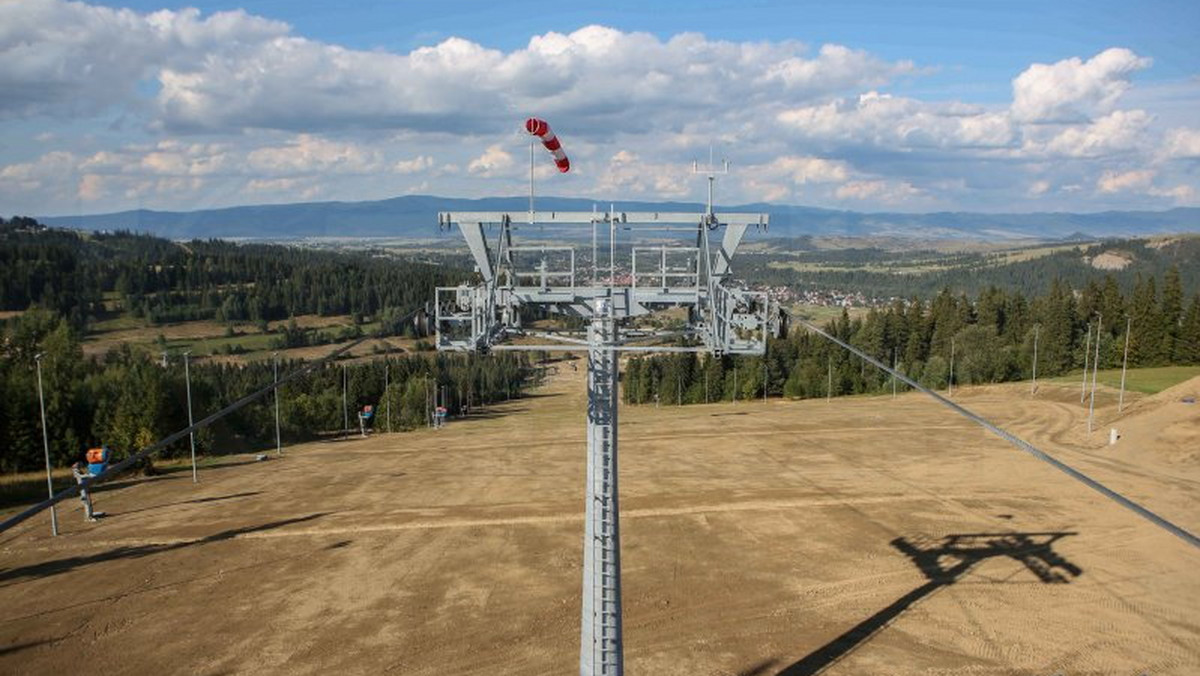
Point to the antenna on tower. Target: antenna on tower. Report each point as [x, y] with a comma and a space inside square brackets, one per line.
[711, 172]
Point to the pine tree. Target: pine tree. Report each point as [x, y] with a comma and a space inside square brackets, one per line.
[1171, 312]
[1187, 346]
[1146, 332]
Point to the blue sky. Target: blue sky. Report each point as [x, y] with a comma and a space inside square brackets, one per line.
[1012, 106]
[977, 45]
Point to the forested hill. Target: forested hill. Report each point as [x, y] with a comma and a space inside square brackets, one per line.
[415, 216]
[84, 276]
[881, 273]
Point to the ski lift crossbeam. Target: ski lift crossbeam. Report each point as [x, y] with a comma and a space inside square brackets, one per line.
[721, 318]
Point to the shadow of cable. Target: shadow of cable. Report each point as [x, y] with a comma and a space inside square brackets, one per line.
[18, 647]
[197, 501]
[59, 566]
[944, 562]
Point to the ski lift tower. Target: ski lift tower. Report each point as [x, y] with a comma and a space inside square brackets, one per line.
[485, 317]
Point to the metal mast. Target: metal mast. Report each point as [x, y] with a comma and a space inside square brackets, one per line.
[600, 642]
[722, 319]
[187, 377]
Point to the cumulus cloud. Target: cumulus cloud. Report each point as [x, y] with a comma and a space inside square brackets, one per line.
[1182, 143]
[233, 70]
[245, 103]
[416, 165]
[1118, 131]
[494, 161]
[1182, 193]
[887, 192]
[1074, 89]
[884, 120]
[1113, 181]
[299, 167]
[800, 170]
[1142, 181]
[790, 177]
[307, 153]
[628, 173]
[66, 58]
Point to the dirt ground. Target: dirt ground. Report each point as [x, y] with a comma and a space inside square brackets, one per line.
[863, 536]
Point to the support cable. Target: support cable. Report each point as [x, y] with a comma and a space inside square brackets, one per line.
[159, 445]
[1023, 445]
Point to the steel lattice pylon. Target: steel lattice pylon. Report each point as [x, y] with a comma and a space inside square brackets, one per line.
[721, 319]
[600, 630]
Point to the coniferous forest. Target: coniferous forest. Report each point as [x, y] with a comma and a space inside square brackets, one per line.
[128, 400]
[992, 337]
[63, 281]
[78, 275]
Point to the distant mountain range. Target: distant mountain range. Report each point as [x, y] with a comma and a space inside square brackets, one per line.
[415, 217]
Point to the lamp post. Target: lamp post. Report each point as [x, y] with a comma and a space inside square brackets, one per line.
[1033, 382]
[1087, 351]
[46, 445]
[1124, 364]
[1095, 369]
[894, 364]
[187, 379]
[766, 376]
[950, 380]
[275, 366]
[829, 382]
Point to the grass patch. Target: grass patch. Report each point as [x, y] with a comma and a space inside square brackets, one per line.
[819, 314]
[1146, 380]
[249, 342]
[122, 322]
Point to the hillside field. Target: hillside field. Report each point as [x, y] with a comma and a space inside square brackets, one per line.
[863, 535]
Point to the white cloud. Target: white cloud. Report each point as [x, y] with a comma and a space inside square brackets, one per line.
[232, 70]
[1182, 194]
[184, 108]
[801, 170]
[296, 167]
[1182, 143]
[416, 165]
[887, 192]
[628, 173]
[1073, 89]
[494, 161]
[884, 120]
[307, 153]
[68, 58]
[1121, 130]
[1136, 180]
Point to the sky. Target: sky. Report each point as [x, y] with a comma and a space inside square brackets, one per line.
[869, 106]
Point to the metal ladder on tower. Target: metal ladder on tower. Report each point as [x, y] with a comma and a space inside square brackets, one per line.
[601, 647]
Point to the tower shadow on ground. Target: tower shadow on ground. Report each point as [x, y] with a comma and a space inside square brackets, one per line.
[943, 561]
[11, 576]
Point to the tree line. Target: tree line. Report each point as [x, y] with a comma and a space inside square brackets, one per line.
[992, 338]
[128, 400]
[87, 276]
[875, 272]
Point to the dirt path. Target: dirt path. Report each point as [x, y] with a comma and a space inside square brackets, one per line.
[777, 538]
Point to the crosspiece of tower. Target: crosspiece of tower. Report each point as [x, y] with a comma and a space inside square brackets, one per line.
[720, 319]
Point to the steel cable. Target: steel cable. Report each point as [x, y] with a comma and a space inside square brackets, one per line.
[168, 440]
[1029, 448]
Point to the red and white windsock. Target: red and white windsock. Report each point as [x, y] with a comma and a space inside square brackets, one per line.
[540, 129]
